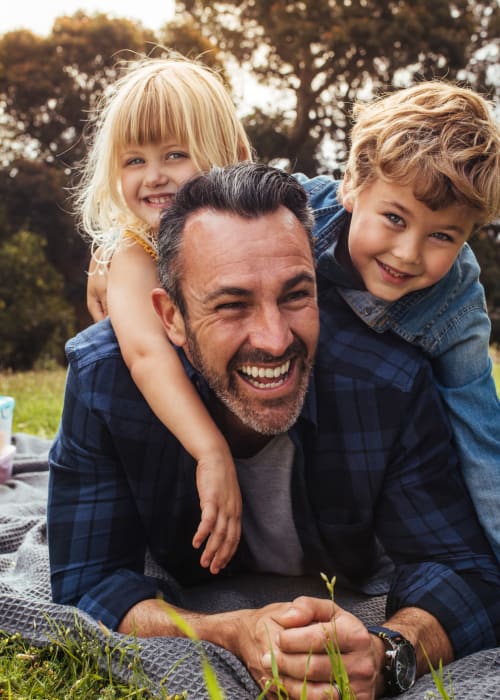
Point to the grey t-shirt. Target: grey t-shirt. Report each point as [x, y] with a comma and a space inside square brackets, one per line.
[267, 520]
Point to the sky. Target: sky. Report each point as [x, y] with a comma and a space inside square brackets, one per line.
[39, 16]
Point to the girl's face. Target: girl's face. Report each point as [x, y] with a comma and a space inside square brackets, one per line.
[397, 244]
[150, 177]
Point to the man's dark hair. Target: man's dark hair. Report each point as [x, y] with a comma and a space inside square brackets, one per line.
[247, 189]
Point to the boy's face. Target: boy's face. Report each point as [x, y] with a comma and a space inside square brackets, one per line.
[397, 244]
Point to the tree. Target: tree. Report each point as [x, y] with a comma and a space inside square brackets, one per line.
[325, 54]
[48, 84]
[32, 198]
[35, 319]
[486, 246]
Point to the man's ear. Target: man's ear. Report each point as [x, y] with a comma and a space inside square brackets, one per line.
[170, 316]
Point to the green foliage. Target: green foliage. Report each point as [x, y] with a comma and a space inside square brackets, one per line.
[33, 198]
[486, 246]
[35, 319]
[342, 50]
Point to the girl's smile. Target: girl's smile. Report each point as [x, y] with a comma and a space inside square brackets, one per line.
[150, 177]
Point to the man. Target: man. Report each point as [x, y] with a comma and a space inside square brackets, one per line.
[330, 461]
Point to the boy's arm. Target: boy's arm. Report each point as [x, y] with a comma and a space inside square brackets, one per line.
[159, 375]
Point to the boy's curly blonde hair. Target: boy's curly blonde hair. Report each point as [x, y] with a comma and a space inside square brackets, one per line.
[440, 138]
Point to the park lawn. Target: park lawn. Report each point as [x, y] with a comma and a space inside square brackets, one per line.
[38, 395]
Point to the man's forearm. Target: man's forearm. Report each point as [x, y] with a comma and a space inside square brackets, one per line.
[151, 618]
[423, 631]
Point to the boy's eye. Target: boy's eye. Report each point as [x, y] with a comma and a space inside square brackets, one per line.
[440, 236]
[394, 219]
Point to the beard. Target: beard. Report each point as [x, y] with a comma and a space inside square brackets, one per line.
[266, 416]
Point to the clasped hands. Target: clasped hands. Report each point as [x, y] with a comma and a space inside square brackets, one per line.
[298, 633]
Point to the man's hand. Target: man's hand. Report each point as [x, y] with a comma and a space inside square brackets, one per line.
[298, 633]
[220, 503]
[291, 630]
[97, 282]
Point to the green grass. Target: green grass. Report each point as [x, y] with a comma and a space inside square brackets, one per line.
[38, 396]
[74, 666]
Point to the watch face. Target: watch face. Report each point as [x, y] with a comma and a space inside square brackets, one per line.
[404, 667]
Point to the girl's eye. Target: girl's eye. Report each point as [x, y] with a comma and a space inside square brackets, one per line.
[440, 236]
[134, 161]
[176, 155]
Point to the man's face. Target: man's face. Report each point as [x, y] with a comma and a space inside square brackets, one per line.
[251, 324]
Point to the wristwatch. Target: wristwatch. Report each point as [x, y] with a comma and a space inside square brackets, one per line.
[400, 666]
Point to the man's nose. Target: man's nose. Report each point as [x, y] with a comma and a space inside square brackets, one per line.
[271, 331]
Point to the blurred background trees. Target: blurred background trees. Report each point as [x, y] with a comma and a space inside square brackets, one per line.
[294, 69]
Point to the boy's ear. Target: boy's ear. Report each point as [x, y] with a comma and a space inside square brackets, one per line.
[347, 197]
[170, 316]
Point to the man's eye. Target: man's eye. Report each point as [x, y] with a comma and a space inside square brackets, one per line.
[298, 295]
[230, 306]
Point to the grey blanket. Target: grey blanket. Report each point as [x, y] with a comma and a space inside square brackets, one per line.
[26, 606]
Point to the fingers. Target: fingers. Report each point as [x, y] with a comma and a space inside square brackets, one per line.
[223, 534]
[95, 309]
[306, 610]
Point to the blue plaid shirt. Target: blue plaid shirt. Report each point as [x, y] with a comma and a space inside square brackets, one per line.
[373, 463]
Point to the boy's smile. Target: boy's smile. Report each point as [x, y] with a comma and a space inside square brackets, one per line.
[397, 244]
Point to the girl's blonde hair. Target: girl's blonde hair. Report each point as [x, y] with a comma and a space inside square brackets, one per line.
[156, 100]
[440, 138]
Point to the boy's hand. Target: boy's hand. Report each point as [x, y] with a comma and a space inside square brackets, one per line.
[97, 282]
[220, 503]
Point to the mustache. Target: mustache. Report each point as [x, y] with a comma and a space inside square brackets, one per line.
[255, 356]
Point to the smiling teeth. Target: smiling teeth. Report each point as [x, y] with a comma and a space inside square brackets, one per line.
[255, 373]
[267, 372]
[392, 271]
[159, 200]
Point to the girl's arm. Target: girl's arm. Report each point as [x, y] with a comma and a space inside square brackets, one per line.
[158, 373]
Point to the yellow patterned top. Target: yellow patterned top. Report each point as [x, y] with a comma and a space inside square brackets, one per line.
[146, 240]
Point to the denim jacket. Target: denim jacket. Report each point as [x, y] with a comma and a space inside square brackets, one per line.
[449, 322]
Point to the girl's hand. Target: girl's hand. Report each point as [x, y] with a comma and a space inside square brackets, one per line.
[97, 284]
[220, 503]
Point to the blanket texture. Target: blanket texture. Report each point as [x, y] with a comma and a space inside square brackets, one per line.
[26, 606]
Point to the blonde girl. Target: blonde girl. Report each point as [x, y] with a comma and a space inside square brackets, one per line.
[162, 122]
